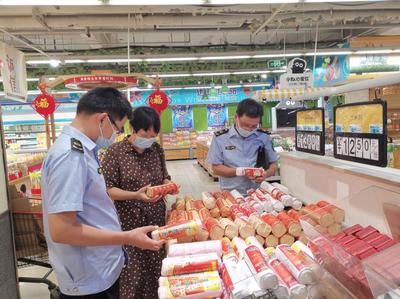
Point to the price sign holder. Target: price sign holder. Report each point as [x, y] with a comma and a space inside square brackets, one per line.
[310, 131]
[360, 132]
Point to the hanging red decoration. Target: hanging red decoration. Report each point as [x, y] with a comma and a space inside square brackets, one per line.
[158, 100]
[44, 104]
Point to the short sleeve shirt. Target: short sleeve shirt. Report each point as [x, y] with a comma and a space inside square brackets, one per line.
[71, 182]
[232, 150]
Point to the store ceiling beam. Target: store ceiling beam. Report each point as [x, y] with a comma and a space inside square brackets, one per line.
[270, 19]
[39, 17]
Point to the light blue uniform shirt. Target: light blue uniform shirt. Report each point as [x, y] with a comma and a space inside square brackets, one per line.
[71, 181]
[232, 150]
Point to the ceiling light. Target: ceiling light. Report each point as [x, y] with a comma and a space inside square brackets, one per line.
[75, 61]
[278, 71]
[250, 72]
[149, 86]
[211, 74]
[32, 79]
[256, 85]
[329, 53]
[171, 59]
[117, 60]
[38, 62]
[173, 75]
[171, 88]
[377, 51]
[225, 57]
[264, 76]
[55, 63]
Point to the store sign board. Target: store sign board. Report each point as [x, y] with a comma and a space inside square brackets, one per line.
[310, 131]
[13, 73]
[296, 76]
[276, 63]
[360, 133]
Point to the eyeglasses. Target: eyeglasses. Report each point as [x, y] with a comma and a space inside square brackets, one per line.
[119, 131]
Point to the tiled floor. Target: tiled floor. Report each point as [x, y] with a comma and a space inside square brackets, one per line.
[192, 178]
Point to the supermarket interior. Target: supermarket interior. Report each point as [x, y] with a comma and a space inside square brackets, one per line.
[278, 122]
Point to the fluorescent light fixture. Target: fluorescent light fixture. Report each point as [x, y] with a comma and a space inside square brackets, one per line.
[75, 61]
[38, 62]
[173, 75]
[171, 59]
[329, 53]
[234, 86]
[278, 71]
[149, 86]
[250, 72]
[264, 76]
[171, 88]
[117, 60]
[211, 74]
[255, 85]
[55, 63]
[377, 51]
[225, 57]
[32, 79]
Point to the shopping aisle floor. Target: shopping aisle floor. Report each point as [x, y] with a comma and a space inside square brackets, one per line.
[192, 178]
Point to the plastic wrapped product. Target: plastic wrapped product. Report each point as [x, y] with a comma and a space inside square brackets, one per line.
[186, 279]
[195, 248]
[262, 228]
[198, 204]
[281, 187]
[286, 239]
[177, 230]
[295, 289]
[277, 227]
[263, 202]
[338, 214]
[260, 239]
[162, 190]
[250, 171]
[231, 230]
[209, 200]
[237, 196]
[319, 215]
[239, 246]
[334, 229]
[276, 204]
[293, 227]
[245, 228]
[214, 229]
[206, 289]
[204, 214]
[271, 241]
[232, 274]
[286, 199]
[255, 242]
[229, 198]
[190, 264]
[180, 204]
[298, 264]
[223, 207]
[215, 213]
[300, 246]
[227, 247]
[258, 266]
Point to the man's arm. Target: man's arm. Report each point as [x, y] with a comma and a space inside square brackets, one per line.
[222, 170]
[64, 228]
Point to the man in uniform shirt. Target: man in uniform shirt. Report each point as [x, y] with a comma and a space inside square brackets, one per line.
[81, 225]
[239, 146]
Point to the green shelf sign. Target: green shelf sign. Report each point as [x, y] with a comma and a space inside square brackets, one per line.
[276, 63]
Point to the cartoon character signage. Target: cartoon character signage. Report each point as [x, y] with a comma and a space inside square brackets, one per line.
[297, 75]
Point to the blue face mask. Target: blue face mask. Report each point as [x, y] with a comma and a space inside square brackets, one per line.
[103, 142]
[142, 142]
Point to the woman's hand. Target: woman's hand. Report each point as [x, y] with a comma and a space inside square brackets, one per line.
[141, 195]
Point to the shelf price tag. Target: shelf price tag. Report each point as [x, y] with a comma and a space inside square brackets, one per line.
[360, 133]
[310, 131]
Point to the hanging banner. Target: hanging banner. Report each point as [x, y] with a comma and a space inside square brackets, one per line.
[182, 117]
[310, 131]
[360, 133]
[217, 116]
[13, 73]
[297, 76]
[331, 69]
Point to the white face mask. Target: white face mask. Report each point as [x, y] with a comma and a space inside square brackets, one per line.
[142, 142]
[103, 142]
[244, 133]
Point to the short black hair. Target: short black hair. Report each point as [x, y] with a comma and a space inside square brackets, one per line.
[145, 118]
[250, 108]
[105, 100]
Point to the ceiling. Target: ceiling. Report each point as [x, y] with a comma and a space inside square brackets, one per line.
[66, 31]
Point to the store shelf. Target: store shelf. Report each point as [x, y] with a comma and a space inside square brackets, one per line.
[385, 175]
[27, 151]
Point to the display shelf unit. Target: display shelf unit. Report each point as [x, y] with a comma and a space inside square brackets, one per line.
[202, 152]
[179, 153]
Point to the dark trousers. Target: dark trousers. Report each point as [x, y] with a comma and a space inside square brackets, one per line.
[111, 293]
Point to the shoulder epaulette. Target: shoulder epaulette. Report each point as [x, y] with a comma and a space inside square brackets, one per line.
[221, 132]
[264, 131]
[76, 145]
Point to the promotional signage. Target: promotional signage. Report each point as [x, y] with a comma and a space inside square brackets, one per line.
[330, 70]
[296, 76]
[310, 131]
[360, 133]
[276, 64]
[182, 117]
[217, 116]
[13, 72]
